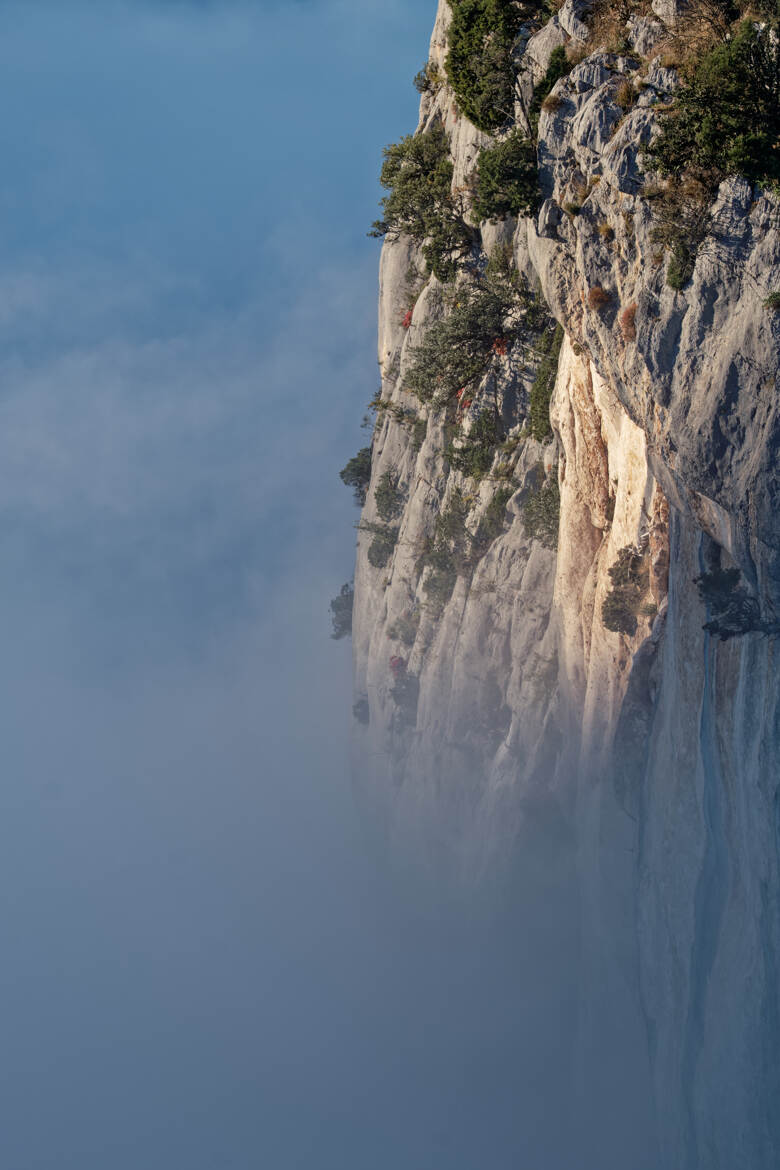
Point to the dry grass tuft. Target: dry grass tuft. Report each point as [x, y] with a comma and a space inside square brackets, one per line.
[625, 95]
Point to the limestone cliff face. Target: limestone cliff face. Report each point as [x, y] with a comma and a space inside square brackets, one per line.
[521, 715]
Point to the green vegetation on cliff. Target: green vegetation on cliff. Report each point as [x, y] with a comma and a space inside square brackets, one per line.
[507, 179]
[484, 320]
[341, 612]
[385, 538]
[479, 63]
[542, 510]
[559, 66]
[623, 603]
[725, 119]
[357, 474]
[417, 172]
[388, 497]
[473, 455]
[544, 383]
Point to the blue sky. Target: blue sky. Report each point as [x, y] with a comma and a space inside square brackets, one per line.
[186, 286]
[186, 346]
[203, 968]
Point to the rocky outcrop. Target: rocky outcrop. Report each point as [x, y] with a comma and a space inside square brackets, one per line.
[508, 712]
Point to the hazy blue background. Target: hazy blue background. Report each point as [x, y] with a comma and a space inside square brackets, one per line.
[202, 967]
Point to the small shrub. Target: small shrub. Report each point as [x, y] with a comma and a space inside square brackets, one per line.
[628, 322]
[388, 498]
[772, 302]
[732, 610]
[580, 187]
[380, 406]
[610, 510]
[544, 384]
[503, 470]
[415, 279]
[598, 298]
[357, 475]
[492, 523]
[341, 612]
[405, 693]
[476, 450]
[552, 103]
[572, 209]
[418, 430]
[420, 81]
[541, 512]
[362, 711]
[450, 528]
[397, 666]
[681, 222]
[448, 552]
[606, 231]
[618, 615]
[438, 586]
[680, 268]
[453, 551]
[559, 66]
[381, 548]
[404, 628]
[507, 179]
[621, 606]
[429, 79]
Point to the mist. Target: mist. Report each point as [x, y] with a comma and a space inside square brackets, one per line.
[207, 962]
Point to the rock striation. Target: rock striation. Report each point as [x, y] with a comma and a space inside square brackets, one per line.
[508, 713]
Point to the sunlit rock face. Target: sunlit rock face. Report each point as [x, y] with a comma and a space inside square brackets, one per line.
[653, 756]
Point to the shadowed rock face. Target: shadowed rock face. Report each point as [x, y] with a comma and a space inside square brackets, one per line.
[654, 754]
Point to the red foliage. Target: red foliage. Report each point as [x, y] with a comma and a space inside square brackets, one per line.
[500, 346]
[463, 402]
[397, 666]
[407, 319]
[627, 322]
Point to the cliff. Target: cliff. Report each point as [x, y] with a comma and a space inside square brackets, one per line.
[531, 662]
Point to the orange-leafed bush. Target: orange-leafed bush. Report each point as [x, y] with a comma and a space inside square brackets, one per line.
[628, 323]
[598, 297]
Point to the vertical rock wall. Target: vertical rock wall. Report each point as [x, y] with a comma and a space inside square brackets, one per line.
[655, 755]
